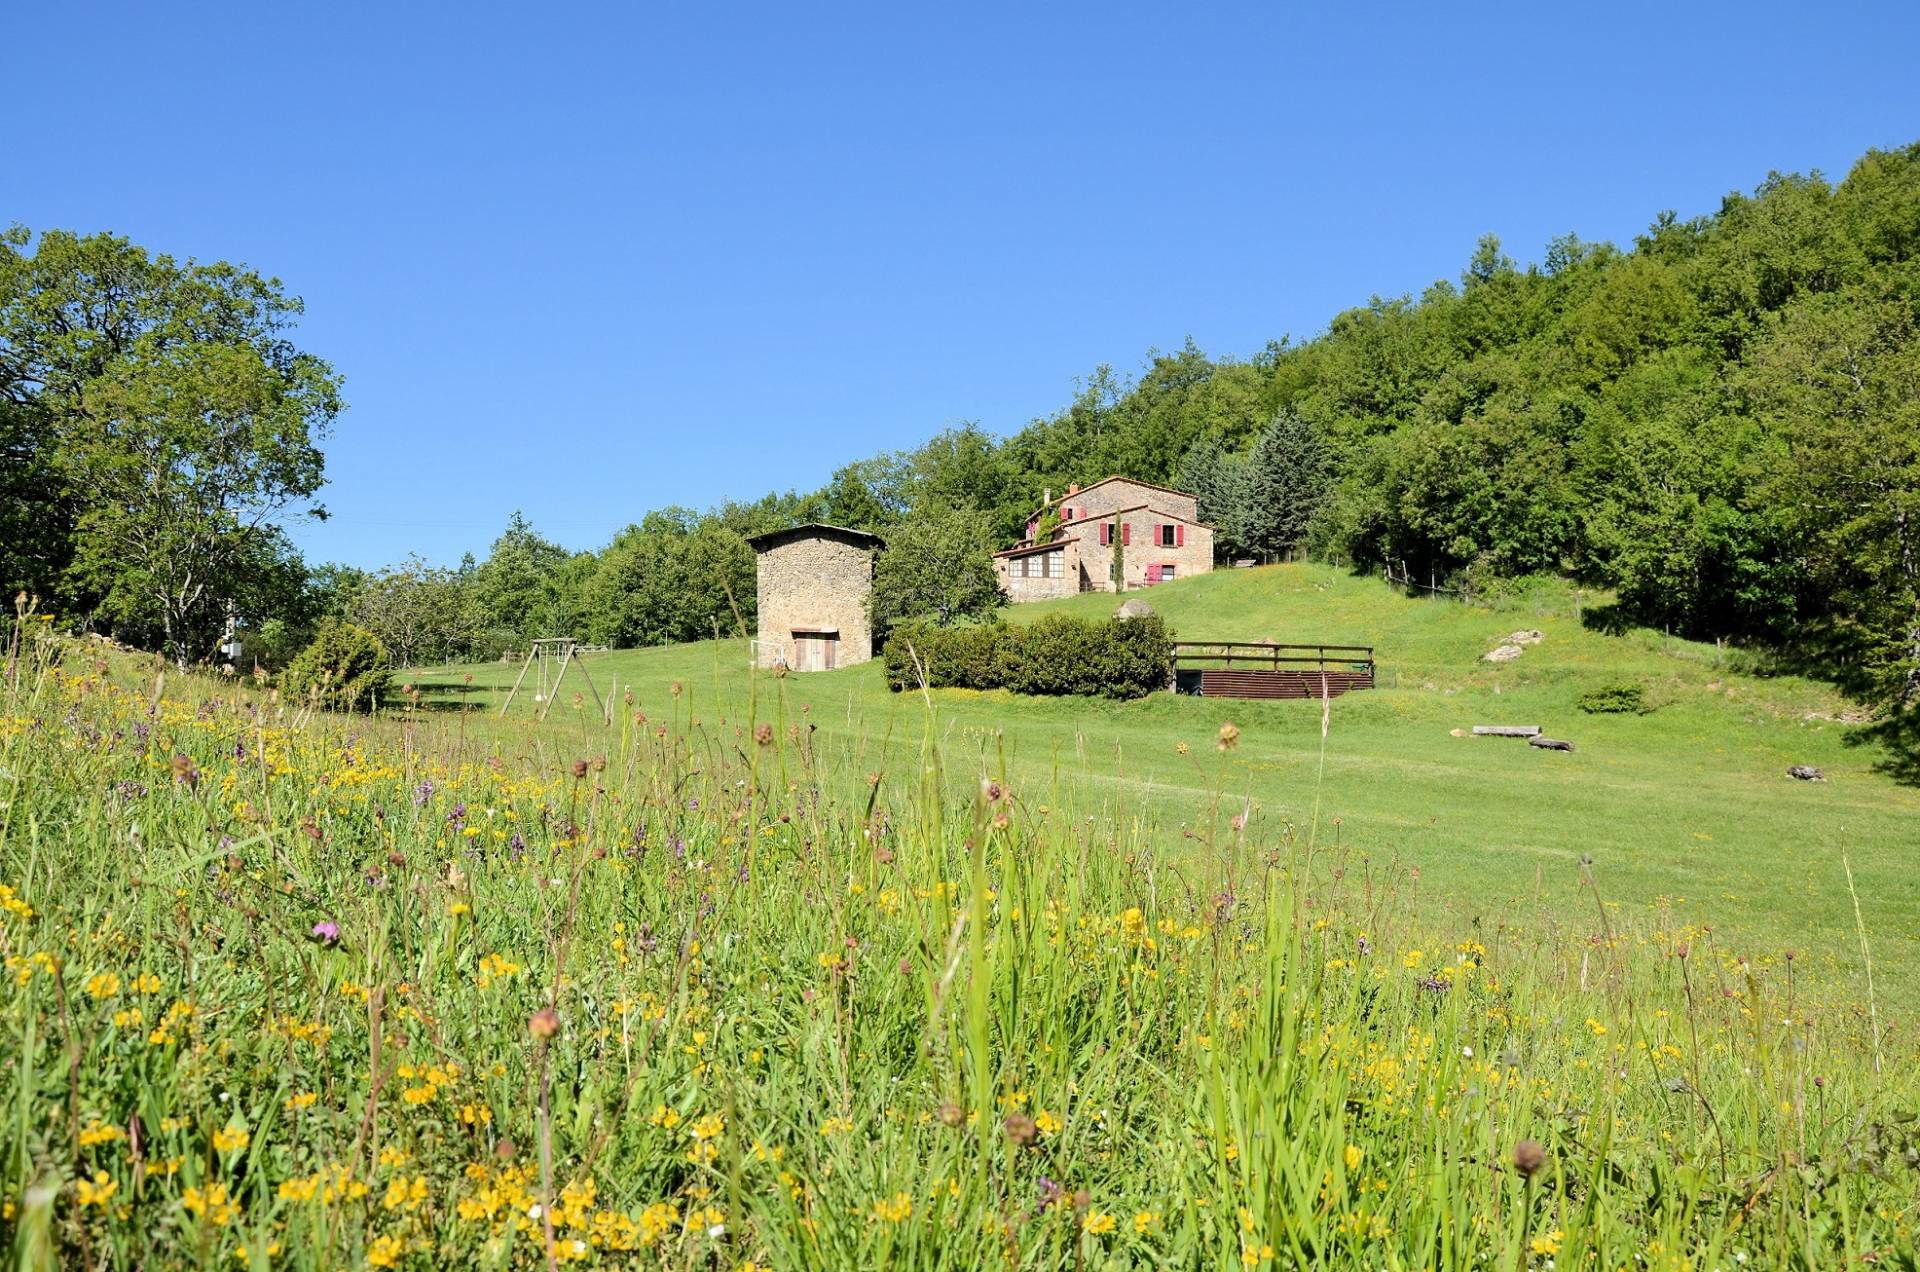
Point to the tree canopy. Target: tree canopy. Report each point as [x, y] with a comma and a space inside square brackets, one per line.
[164, 426]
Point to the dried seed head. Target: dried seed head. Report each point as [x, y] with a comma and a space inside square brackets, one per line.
[763, 735]
[579, 769]
[544, 1023]
[504, 1149]
[1229, 736]
[1021, 1130]
[952, 1114]
[1528, 1158]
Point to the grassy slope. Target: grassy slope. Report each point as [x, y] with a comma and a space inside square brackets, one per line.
[1687, 810]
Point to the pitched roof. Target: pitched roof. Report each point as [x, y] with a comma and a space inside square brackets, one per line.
[813, 529]
[1028, 549]
[1185, 494]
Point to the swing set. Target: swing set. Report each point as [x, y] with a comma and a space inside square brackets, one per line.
[553, 654]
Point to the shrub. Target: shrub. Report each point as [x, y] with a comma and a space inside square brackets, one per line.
[1117, 658]
[1615, 699]
[345, 666]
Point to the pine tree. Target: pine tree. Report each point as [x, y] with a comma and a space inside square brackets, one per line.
[1280, 486]
[1214, 477]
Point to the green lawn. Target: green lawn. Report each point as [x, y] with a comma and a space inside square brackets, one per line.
[1687, 812]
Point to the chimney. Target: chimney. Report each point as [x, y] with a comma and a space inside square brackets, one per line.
[1046, 496]
[1074, 489]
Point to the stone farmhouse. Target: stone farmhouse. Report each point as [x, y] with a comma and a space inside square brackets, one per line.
[1158, 531]
[814, 581]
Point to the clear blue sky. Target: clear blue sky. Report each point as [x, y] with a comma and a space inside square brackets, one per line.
[587, 261]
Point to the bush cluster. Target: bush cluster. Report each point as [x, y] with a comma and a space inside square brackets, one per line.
[1615, 699]
[1115, 658]
[345, 666]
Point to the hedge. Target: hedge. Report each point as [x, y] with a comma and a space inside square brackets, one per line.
[1115, 658]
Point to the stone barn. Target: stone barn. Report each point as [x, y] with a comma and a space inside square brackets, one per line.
[814, 581]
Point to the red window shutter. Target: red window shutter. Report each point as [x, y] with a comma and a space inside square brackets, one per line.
[1153, 574]
[1126, 533]
[1179, 536]
[1104, 528]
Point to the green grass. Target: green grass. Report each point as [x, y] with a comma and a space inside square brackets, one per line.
[1686, 811]
[697, 992]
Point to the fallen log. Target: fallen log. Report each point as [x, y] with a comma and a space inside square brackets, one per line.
[1506, 730]
[1550, 744]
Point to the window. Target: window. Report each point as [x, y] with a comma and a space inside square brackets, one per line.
[1166, 574]
[1053, 561]
[1165, 536]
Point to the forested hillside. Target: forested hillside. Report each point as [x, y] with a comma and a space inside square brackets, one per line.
[1719, 421]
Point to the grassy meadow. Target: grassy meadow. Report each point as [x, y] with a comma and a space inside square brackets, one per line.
[790, 972]
[1687, 812]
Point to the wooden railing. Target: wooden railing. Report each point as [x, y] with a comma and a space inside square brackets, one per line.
[1264, 669]
[1251, 654]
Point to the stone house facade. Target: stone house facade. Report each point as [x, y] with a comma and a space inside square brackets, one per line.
[1158, 532]
[814, 584]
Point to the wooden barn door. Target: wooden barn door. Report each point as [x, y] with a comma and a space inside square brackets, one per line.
[815, 651]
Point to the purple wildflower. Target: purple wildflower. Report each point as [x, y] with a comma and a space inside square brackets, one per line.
[326, 932]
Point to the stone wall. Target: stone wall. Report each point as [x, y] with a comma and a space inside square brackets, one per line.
[1019, 587]
[819, 583]
[1194, 556]
[1104, 500]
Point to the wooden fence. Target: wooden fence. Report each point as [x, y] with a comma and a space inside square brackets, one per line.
[1263, 669]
